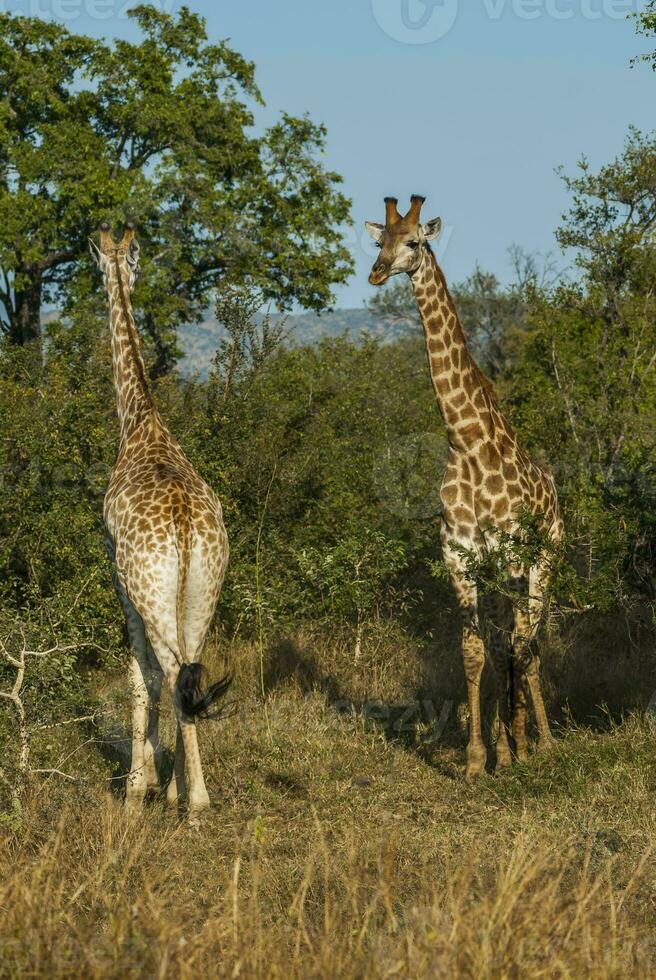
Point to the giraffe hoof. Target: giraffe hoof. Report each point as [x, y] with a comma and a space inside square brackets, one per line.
[521, 753]
[133, 803]
[476, 759]
[198, 804]
[504, 761]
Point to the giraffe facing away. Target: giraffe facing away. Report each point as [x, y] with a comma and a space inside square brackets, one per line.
[168, 545]
[488, 484]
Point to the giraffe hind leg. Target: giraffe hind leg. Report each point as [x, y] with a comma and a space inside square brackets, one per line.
[175, 791]
[187, 755]
[526, 662]
[538, 581]
[499, 646]
[137, 780]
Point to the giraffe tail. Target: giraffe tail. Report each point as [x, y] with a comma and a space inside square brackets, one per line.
[195, 702]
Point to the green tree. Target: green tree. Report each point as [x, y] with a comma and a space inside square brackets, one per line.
[583, 385]
[352, 578]
[646, 21]
[158, 132]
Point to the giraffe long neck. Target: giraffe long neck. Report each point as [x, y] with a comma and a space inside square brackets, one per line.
[462, 391]
[133, 397]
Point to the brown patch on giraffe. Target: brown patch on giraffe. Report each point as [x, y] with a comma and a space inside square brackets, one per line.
[489, 456]
[494, 484]
[506, 446]
[467, 382]
[475, 469]
[501, 507]
[472, 433]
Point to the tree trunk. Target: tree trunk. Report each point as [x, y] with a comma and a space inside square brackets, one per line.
[25, 317]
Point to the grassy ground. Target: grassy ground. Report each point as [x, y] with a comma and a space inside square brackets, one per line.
[343, 841]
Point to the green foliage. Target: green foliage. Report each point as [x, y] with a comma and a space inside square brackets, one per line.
[158, 131]
[294, 450]
[348, 580]
[646, 24]
[583, 386]
[611, 222]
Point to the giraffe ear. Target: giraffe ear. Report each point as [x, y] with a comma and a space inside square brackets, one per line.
[95, 252]
[432, 229]
[375, 230]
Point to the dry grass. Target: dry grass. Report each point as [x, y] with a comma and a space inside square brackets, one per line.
[336, 849]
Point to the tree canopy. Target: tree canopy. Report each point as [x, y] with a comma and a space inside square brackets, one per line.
[159, 132]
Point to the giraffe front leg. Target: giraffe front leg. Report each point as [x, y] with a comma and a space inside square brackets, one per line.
[472, 648]
[542, 721]
[538, 582]
[473, 655]
[521, 655]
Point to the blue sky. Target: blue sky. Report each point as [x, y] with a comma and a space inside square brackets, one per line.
[473, 103]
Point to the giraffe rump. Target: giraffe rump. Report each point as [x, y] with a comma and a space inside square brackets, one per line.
[194, 702]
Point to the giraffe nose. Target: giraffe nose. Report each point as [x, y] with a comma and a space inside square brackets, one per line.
[378, 274]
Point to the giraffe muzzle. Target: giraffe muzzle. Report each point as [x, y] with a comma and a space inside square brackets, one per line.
[379, 274]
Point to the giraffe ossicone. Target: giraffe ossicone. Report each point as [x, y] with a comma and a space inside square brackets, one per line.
[169, 549]
[489, 483]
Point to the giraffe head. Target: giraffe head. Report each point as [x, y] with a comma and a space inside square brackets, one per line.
[402, 240]
[112, 258]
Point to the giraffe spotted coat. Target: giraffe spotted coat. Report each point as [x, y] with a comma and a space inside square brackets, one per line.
[488, 484]
[166, 538]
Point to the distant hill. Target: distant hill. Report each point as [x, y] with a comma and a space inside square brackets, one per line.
[200, 341]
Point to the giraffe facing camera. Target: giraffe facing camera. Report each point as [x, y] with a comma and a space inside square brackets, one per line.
[489, 484]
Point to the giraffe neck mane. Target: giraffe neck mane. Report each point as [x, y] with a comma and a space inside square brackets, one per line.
[465, 395]
[132, 391]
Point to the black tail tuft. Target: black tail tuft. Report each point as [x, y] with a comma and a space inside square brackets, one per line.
[195, 703]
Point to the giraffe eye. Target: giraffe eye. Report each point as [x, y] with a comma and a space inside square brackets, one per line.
[378, 244]
[412, 244]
